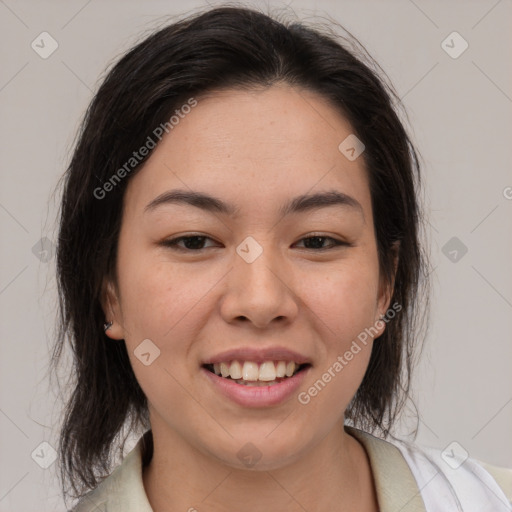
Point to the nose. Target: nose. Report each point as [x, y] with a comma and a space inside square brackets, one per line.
[260, 292]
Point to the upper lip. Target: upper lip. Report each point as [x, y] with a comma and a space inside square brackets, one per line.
[257, 355]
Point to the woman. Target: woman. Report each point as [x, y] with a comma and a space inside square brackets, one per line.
[239, 273]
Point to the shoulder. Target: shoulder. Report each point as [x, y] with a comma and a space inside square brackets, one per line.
[454, 474]
[447, 479]
[122, 491]
[502, 476]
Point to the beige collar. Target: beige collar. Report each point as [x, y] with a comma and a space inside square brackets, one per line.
[394, 482]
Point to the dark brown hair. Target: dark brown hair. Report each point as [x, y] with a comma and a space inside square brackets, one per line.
[221, 48]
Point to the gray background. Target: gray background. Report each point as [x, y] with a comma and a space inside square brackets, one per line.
[460, 111]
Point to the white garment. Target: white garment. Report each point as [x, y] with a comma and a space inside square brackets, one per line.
[452, 484]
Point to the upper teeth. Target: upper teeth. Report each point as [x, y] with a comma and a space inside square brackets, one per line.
[250, 371]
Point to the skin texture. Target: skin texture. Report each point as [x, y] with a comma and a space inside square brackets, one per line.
[255, 149]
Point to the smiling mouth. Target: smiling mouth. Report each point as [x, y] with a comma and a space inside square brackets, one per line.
[249, 373]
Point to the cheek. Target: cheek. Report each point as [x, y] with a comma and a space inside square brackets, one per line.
[157, 295]
[161, 304]
[345, 299]
[344, 302]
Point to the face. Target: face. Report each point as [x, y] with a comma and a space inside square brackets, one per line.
[254, 277]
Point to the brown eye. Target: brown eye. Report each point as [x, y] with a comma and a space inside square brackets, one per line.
[190, 243]
[317, 242]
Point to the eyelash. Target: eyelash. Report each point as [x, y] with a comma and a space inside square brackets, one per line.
[173, 243]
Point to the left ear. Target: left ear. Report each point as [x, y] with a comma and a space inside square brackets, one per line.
[110, 304]
[386, 289]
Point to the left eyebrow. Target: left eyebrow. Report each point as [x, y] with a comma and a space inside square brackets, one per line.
[299, 204]
[308, 202]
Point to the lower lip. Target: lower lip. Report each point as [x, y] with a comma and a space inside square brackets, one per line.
[257, 396]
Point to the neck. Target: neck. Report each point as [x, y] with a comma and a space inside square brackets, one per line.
[334, 475]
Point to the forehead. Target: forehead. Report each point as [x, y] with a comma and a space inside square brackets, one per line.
[253, 145]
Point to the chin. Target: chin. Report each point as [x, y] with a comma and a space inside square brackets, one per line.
[261, 449]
